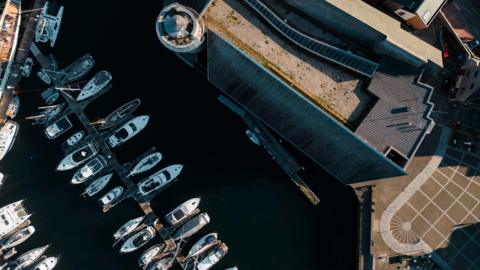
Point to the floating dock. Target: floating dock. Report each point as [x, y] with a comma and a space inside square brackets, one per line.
[122, 170]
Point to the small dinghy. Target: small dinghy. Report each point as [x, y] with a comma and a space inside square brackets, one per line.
[97, 185]
[146, 163]
[2, 177]
[18, 237]
[127, 228]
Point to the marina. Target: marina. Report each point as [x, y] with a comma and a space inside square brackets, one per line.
[105, 161]
[74, 120]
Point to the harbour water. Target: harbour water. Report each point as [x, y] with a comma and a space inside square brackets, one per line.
[257, 211]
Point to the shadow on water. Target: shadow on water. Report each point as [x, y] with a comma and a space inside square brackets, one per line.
[258, 212]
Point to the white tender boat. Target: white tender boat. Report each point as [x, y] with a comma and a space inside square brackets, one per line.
[182, 212]
[127, 228]
[18, 237]
[128, 130]
[192, 226]
[28, 258]
[232, 268]
[97, 185]
[203, 244]
[146, 163]
[2, 177]
[149, 254]
[89, 170]
[214, 256]
[46, 264]
[162, 264]
[160, 179]
[74, 139]
[58, 128]
[77, 157]
[8, 133]
[119, 114]
[112, 195]
[138, 240]
[95, 85]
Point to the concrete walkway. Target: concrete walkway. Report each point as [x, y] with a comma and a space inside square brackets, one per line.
[405, 195]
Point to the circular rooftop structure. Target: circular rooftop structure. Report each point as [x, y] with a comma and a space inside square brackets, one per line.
[180, 29]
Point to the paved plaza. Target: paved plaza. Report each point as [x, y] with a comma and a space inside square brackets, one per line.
[444, 210]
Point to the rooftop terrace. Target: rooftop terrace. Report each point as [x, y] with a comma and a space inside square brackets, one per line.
[327, 85]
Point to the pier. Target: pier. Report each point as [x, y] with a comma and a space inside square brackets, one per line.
[274, 148]
[122, 170]
[20, 57]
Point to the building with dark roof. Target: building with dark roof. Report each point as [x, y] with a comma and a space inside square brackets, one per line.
[358, 118]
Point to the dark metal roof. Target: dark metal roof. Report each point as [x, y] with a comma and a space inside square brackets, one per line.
[401, 117]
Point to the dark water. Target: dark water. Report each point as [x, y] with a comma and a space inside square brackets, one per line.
[266, 221]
